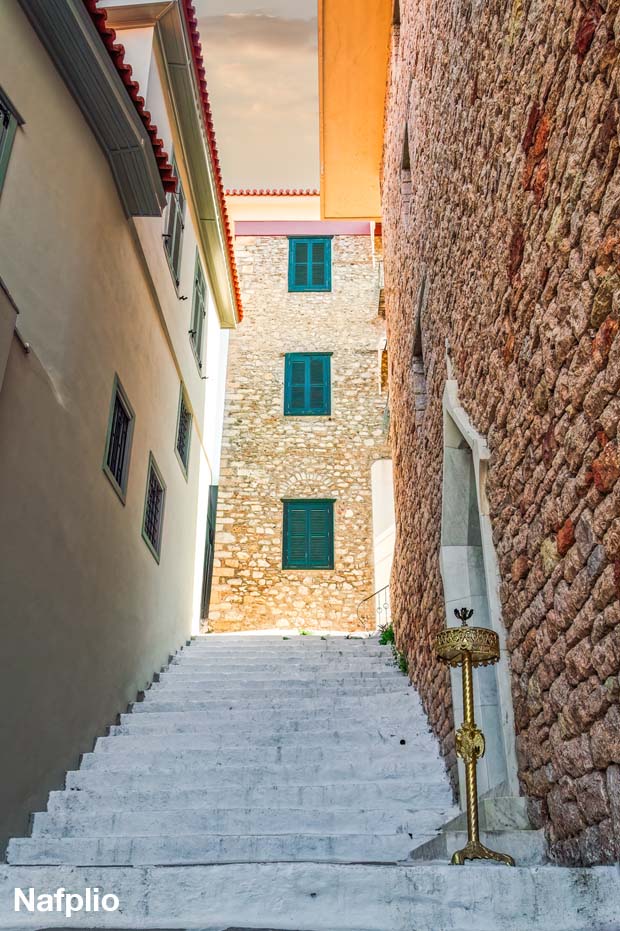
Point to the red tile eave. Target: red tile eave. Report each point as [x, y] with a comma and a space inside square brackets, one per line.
[192, 27]
[117, 54]
[272, 192]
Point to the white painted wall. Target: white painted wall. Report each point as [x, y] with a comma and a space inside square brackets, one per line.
[470, 579]
[88, 614]
[383, 521]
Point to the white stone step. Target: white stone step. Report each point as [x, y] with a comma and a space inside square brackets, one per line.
[226, 740]
[378, 713]
[214, 848]
[331, 664]
[163, 779]
[235, 821]
[283, 677]
[263, 766]
[228, 732]
[390, 795]
[305, 704]
[284, 652]
[285, 640]
[526, 847]
[272, 691]
[327, 897]
[132, 752]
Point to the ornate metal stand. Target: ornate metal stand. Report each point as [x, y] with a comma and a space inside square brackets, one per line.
[468, 647]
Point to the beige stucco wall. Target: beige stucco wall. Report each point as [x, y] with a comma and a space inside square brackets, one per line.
[87, 614]
[267, 456]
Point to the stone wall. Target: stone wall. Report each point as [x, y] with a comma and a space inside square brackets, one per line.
[267, 456]
[511, 212]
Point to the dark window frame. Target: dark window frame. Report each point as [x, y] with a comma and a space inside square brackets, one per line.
[307, 563]
[174, 227]
[154, 545]
[324, 410]
[309, 242]
[118, 392]
[199, 312]
[184, 405]
[9, 121]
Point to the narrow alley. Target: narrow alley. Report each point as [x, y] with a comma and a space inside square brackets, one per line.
[310, 465]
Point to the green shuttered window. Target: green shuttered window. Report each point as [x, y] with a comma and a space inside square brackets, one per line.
[175, 224]
[199, 311]
[308, 534]
[310, 264]
[307, 383]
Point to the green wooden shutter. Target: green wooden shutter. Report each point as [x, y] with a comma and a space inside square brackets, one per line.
[309, 264]
[297, 383]
[199, 310]
[296, 536]
[307, 384]
[308, 535]
[175, 224]
[318, 272]
[301, 254]
[320, 536]
[319, 386]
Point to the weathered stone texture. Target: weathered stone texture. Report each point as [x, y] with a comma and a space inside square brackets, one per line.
[513, 218]
[267, 456]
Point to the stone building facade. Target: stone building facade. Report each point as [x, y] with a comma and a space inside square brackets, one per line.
[501, 194]
[269, 457]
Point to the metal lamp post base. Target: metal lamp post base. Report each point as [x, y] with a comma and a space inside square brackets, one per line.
[468, 647]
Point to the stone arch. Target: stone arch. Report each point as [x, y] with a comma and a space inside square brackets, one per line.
[308, 484]
[471, 579]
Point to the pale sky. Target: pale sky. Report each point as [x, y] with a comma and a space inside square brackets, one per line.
[261, 62]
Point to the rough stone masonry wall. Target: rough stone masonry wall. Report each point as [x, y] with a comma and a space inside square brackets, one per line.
[267, 456]
[514, 212]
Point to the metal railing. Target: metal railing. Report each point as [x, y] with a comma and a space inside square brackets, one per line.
[375, 609]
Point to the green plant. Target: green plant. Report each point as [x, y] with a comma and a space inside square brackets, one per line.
[305, 633]
[386, 634]
[401, 661]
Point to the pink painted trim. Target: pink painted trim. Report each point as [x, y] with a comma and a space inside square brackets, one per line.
[301, 228]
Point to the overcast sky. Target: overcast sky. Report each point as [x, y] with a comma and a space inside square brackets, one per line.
[261, 61]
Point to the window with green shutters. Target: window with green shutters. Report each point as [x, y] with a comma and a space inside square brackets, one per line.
[175, 224]
[310, 264]
[307, 383]
[308, 536]
[199, 311]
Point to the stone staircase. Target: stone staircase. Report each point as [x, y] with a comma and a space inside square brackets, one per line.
[280, 783]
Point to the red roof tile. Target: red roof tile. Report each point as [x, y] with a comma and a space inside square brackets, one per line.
[117, 54]
[272, 192]
[192, 27]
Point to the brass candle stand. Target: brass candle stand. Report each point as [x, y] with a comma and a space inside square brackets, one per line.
[468, 647]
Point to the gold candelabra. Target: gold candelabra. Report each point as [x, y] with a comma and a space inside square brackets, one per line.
[468, 647]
